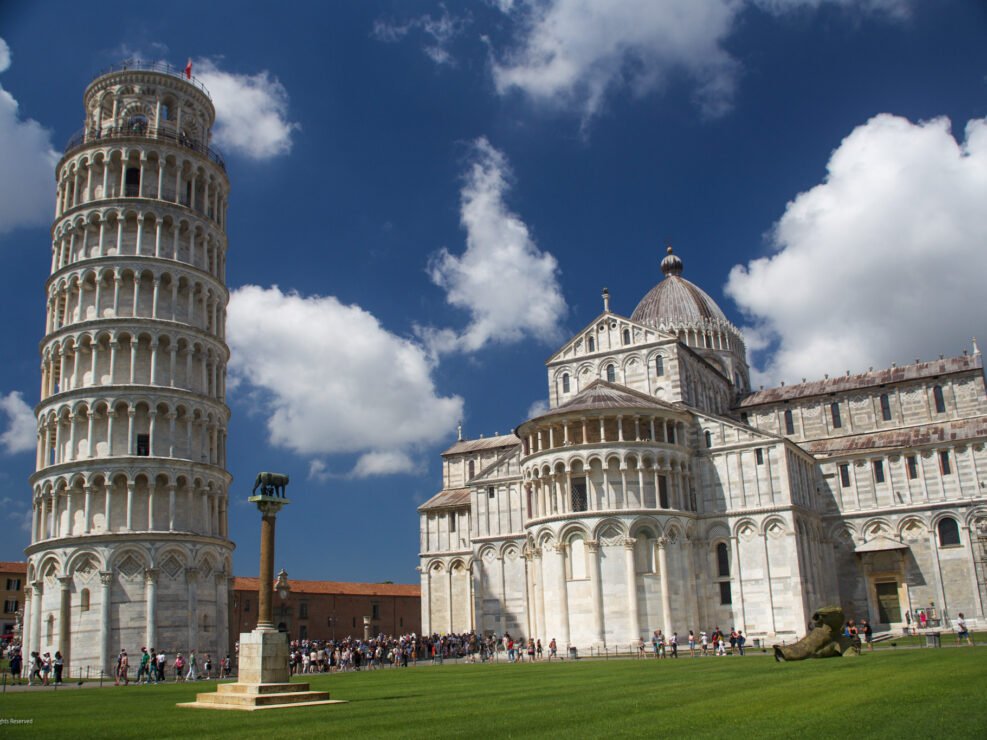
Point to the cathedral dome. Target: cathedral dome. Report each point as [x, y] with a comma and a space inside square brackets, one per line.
[676, 301]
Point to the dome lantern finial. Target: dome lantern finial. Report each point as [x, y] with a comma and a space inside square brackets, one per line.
[672, 264]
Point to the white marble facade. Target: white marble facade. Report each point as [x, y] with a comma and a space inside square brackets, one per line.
[659, 492]
[129, 543]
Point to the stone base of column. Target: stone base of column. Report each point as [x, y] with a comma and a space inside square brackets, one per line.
[263, 681]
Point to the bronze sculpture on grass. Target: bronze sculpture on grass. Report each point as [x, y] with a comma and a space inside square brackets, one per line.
[825, 638]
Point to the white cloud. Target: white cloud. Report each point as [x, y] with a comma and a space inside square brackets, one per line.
[251, 111]
[27, 173]
[573, 53]
[21, 432]
[439, 31]
[387, 462]
[882, 262]
[537, 408]
[318, 470]
[509, 286]
[333, 380]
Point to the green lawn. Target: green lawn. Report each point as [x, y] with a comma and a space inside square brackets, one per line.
[913, 693]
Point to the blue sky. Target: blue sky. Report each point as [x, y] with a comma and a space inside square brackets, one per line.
[427, 199]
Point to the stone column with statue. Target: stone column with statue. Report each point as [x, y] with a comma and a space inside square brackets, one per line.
[264, 679]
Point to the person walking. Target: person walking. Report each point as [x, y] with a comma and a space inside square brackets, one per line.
[868, 634]
[193, 668]
[179, 668]
[16, 663]
[59, 667]
[123, 666]
[553, 649]
[741, 640]
[34, 669]
[963, 631]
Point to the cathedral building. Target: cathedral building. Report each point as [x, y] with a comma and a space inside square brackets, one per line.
[659, 491]
[129, 543]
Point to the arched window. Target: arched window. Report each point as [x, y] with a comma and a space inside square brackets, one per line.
[471, 469]
[723, 573]
[133, 181]
[722, 560]
[577, 559]
[834, 410]
[84, 600]
[789, 422]
[940, 401]
[663, 491]
[709, 438]
[611, 373]
[627, 336]
[591, 344]
[885, 407]
[565, 382]
[137, 124]
[949, 532]
[659, 366]
[644, 552]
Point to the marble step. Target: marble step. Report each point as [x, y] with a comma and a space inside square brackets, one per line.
[260, 700]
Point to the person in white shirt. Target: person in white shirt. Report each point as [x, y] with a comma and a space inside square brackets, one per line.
[963, 631]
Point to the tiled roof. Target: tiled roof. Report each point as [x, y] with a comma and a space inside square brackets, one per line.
[13, 567]
[842, 383]
[335, 587]
[600, 395]
[454, 498]
[676, 300]
[484, 443]
[950, 431]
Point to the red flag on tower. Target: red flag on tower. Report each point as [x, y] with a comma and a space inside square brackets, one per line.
[188, 69]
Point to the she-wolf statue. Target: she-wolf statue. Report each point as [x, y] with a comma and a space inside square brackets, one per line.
[825, 639]
[271, 484]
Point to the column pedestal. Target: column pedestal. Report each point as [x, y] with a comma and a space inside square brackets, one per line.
[263, 680]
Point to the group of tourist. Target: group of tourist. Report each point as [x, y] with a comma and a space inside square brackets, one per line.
[715, 642]
[318, 656]
[43, 669]
[349, 654]
[152, 667]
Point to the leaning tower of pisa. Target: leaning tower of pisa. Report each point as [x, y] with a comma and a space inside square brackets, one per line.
[129, 545]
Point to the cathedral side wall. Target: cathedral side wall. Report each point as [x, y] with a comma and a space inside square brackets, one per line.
[860, 411]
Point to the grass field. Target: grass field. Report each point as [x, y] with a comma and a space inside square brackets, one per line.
[913, 693]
